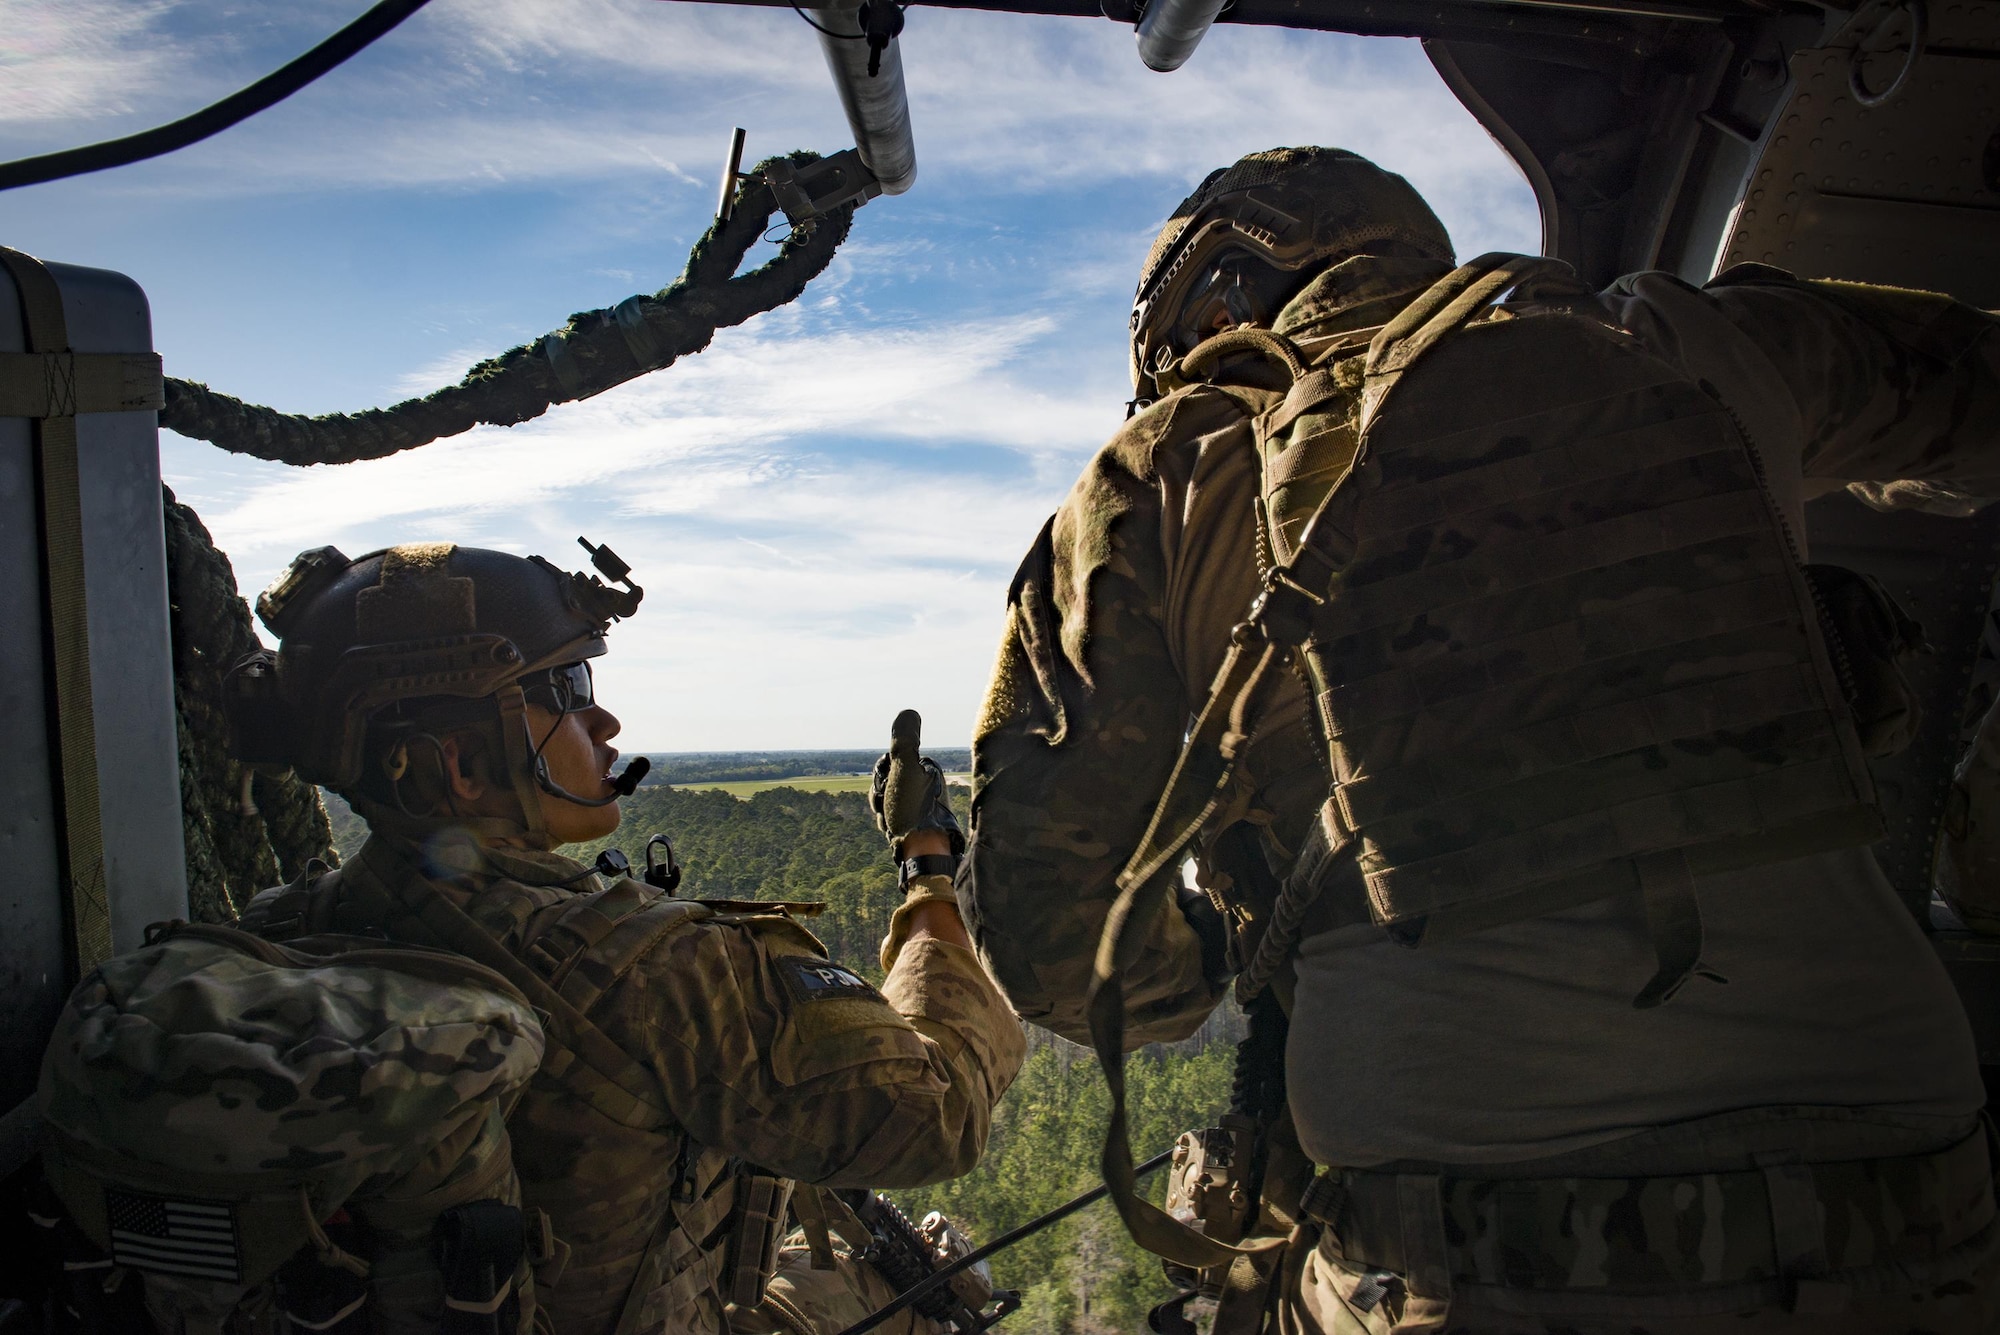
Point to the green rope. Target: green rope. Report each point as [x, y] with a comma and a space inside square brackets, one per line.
[232, 853]
[595, 351]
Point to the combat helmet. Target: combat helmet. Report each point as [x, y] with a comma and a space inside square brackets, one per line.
[411, 640]
[1253, 233]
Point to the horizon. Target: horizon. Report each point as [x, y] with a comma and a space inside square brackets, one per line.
[826, 506]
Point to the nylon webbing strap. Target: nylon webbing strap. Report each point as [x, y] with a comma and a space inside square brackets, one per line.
[1201, 782]
[1673, 920]
[1423, 324]
[59, 487]
[63, 384]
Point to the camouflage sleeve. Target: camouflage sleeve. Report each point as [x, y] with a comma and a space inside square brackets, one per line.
[771, 1052]
[1891, 384]
[1079, 730]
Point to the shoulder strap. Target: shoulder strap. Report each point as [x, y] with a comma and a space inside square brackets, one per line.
[613, 927]
[1730, 366]
[1450, 303]
[580, 1055]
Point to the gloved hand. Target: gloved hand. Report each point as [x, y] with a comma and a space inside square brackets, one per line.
[909, 796]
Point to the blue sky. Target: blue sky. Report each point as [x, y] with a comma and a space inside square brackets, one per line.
[824, 507]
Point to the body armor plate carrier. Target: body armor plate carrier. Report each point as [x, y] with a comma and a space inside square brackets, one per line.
[1554, 623]
[646, 1221]
[1555, 626]
[1569, 647]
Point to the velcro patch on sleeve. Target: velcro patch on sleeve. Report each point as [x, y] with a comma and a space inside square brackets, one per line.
[810, 979]
[166, 1236]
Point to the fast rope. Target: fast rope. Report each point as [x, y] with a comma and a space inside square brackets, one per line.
[241, 831]
[595, 351]
[943, 1274]
[239, 106]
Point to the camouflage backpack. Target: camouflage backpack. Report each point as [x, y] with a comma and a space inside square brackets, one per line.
[306, 1137]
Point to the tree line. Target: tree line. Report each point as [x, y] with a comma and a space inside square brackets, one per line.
[738, 766]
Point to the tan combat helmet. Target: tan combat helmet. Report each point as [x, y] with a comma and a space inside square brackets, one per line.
[412, 640]
[1254, 233]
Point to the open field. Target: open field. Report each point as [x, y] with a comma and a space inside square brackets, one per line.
[811, 783]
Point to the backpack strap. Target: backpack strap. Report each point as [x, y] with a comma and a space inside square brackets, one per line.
[614, 927]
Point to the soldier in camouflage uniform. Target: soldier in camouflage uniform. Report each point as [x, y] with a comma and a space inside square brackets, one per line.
[1506, 1142]
[709, 1072]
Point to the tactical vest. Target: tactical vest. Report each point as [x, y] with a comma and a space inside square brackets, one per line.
[1556, 629]
[1568, 645]
[1555, 625]
[644, 1228]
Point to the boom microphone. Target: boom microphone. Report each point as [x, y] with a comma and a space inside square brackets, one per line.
[624, 785]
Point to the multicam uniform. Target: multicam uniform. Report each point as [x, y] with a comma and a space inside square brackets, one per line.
[758, 1066]
[1666, 1164]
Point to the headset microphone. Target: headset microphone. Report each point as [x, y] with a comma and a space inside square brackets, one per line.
[622, 786]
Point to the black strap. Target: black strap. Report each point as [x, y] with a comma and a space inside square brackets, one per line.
[479, 1248]
[926, 864]
[1673, 920]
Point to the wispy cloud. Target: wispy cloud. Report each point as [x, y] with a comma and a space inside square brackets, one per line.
[826, 505]
[476, 93]
[765, 408]
[764, 542]
[81, 60]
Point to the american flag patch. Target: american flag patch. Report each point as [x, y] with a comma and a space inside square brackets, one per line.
[174, 1237]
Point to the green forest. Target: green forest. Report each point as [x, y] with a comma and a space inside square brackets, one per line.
[1082, 1276]
[737, 766]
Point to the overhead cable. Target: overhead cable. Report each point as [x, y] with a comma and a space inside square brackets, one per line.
[239, 106]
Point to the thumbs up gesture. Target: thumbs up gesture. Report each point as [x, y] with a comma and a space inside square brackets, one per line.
[911, 808]
[908, 794]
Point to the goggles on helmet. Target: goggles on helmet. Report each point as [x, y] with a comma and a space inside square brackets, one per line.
[1188, 290]
[1237, 288]
[561, 690]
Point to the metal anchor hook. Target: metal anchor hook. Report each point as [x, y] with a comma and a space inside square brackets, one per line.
[1919, 37]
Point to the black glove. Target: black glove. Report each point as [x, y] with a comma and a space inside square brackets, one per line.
[1211, 929]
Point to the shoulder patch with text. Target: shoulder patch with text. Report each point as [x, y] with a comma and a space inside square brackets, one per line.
[809, 979]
